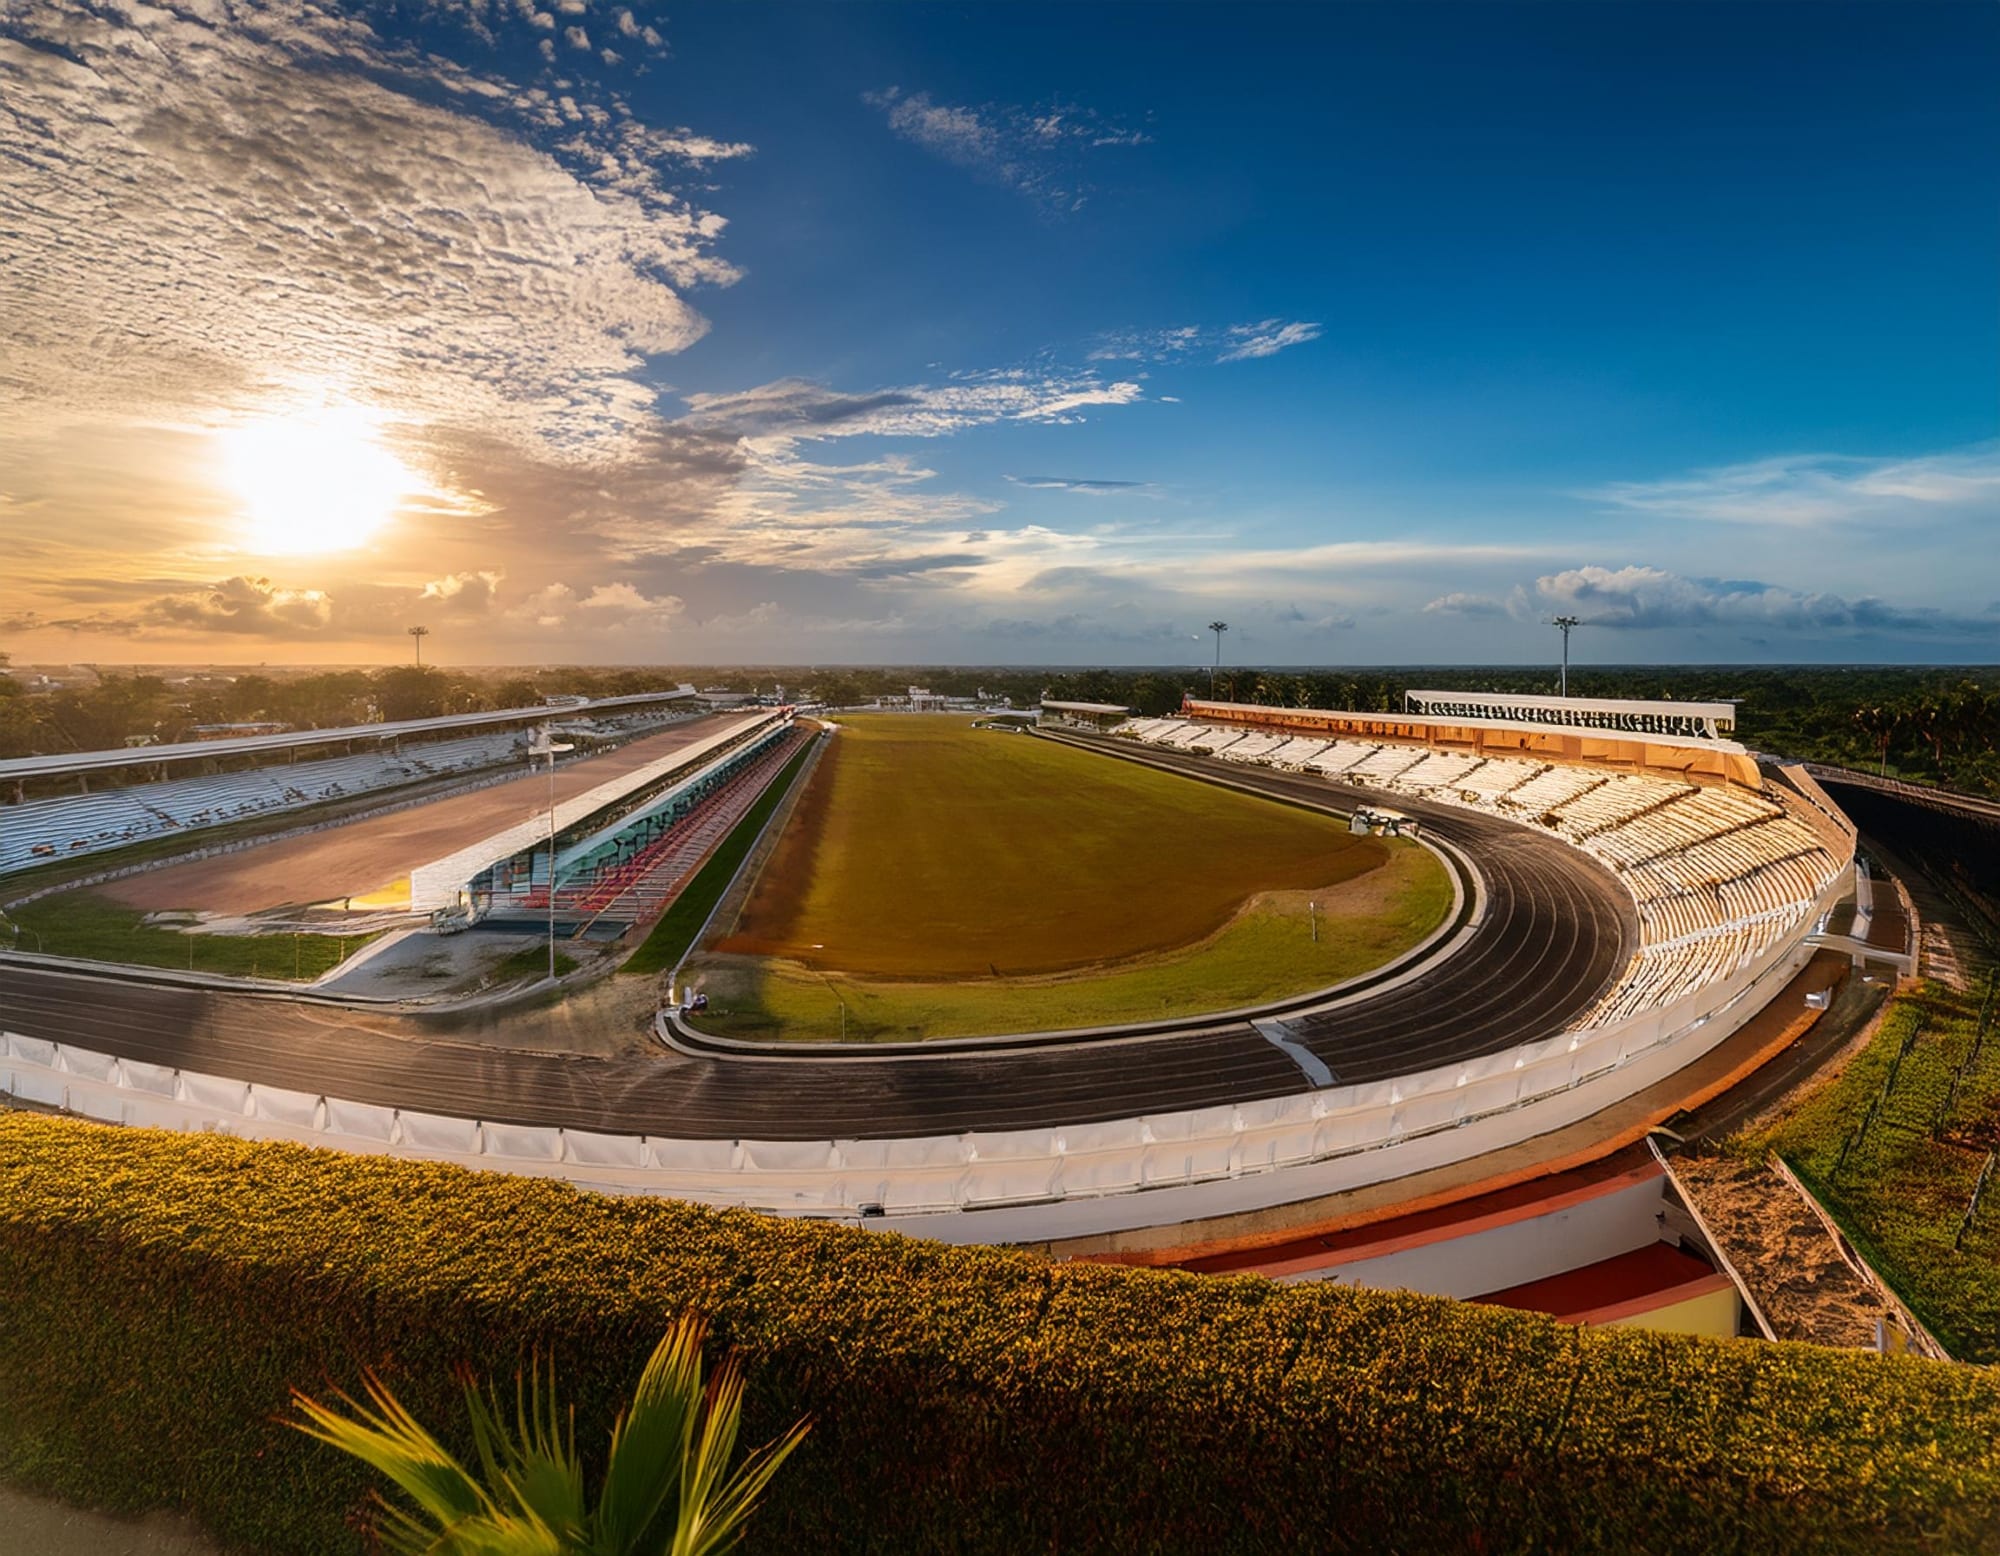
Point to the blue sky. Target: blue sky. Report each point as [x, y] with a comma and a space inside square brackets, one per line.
[1018, 334]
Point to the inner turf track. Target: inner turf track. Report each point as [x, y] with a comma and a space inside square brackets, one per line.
[925, 848]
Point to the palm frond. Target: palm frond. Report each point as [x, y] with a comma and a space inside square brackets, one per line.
[649, 1442]
[388, 1438]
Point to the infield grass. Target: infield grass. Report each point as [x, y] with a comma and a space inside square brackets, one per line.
[941, 881]
[82, 924]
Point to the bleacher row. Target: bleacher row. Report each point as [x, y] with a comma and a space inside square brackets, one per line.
[72, 824]
[1718, 874]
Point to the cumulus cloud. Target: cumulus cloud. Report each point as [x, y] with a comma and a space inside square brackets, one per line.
[1036, 151]
[1810, 490]
[1230, 343]
[624, 599]
[467, 592]
[245, 605]
[200, 214]
[1640, 598]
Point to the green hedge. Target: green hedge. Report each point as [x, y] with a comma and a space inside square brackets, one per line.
[160, 1293]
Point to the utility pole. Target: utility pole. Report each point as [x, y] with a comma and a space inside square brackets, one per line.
[417, 635]
[546, 744]
[1566, 622]
[1218, 628]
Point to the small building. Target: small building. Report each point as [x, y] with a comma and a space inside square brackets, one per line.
[1084, 715]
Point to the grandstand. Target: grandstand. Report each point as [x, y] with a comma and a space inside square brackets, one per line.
[63, 826]
[1720, 862]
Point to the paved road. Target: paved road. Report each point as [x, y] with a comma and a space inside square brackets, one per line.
[1556, 930]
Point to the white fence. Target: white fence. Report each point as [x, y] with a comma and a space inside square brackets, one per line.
[1018, 1186]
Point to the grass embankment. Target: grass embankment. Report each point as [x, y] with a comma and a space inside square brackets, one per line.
[531, 962]
[1893, 1149]
[84, 925]
[939, 880]
[1266, 953]
[671, 937]
[165, 1292]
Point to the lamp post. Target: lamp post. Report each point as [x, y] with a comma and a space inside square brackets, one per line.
[417, 635]
[1218, 628]
[546, 744]
[1565, 623]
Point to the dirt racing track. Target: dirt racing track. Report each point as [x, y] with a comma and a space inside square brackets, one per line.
[1553, 930]
[364, 856]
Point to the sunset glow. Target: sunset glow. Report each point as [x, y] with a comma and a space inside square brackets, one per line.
[313, 483]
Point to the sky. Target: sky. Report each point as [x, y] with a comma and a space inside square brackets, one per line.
[586, 332]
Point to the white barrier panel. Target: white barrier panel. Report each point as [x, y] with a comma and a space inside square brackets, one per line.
[584, 1145]
[31, 1050]
[787, 1155]
[360, 1120]
[434, 1132]
[92, 1067]
[137, 1075]
[274, 1105]
[690, 1156]
[524, 1142]
[215, 1094]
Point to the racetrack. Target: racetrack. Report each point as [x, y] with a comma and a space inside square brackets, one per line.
[1554, 931]
[347, 861]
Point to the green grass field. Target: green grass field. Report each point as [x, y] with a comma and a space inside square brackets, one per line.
[80, 924]
[941, 881]
[1894, 1148]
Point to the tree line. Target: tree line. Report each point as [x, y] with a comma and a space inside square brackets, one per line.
[1927, 724]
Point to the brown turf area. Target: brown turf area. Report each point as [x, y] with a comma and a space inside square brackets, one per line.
[926, 848]
[368, 855]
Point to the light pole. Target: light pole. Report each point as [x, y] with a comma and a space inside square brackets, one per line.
[417, 635]
[1566, 622]
[546, 744]
[1218, 628]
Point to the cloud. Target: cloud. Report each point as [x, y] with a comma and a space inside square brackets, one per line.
[298, 203]
[1038, 152]
[1637, 598]
[1461, 604]
[1054, 483]
[1811, 490]
[244, 605]
[799, 408]
[466, 592]
[626, 600]
[1230, 343]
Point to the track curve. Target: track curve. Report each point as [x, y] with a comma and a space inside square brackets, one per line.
[1555, 930]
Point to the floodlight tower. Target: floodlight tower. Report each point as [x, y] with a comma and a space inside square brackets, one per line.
[417, 636]
[1566, 623]
[544, 743]
[1218, 628]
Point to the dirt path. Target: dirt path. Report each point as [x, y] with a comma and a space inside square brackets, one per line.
[1783, 1252]
[40, 1526]
[351, 860]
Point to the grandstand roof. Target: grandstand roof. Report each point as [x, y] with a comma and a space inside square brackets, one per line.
[1086, 707]
[147, 756]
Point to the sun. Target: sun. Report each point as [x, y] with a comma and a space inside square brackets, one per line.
[312, 482]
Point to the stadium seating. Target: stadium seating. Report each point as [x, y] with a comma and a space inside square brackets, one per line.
[1717, 875]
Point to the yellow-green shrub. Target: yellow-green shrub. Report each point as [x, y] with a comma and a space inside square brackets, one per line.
[159, 1295]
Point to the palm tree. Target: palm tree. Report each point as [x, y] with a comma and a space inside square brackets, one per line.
[528, 1498]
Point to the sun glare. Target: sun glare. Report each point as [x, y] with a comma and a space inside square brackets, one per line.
[318, 481]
